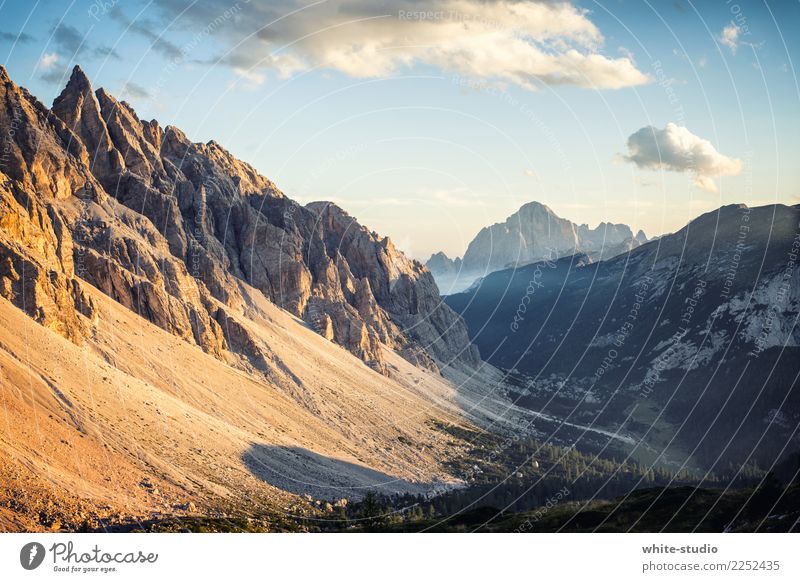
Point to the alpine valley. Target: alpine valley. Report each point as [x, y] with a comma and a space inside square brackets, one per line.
[184, 347]
[688, 345]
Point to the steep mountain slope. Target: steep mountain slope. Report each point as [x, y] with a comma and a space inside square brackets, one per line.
[533, 233]
[689, 342]
[138, 422]
[171, 323]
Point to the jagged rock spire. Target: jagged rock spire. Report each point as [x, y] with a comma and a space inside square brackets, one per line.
[78, 80]
[80, 112]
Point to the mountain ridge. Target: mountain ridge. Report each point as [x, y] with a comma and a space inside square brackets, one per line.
[653, 341]
[222, 221]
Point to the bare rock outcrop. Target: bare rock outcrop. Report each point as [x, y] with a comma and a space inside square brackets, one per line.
[36, 270]
[36, 247]
[78, 109]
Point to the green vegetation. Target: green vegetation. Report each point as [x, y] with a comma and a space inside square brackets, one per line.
[674, 509]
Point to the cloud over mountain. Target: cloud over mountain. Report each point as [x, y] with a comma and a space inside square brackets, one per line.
[524, 43]
[677, 149]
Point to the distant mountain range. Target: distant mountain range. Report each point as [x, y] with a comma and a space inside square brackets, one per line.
[689, 344]
[533, 233]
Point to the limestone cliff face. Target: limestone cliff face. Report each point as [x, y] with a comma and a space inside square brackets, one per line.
[183, 232]
[397, 297]
[36, 267]
[36, 247]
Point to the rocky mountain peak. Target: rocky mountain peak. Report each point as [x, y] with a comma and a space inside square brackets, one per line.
[77, 107]
[78, 81]
[440, 256]
[190, 234]
[534, 207]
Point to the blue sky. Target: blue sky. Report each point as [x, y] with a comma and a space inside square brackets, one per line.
[428, 126]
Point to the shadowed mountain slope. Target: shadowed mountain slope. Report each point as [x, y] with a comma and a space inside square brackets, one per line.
[689, 342]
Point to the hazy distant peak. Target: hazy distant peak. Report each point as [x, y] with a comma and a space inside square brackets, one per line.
[533, 233]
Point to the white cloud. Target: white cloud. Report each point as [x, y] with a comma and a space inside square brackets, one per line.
[730, 37]
[527, 43]
[677, 149]
[253, 77]
[48, 61]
